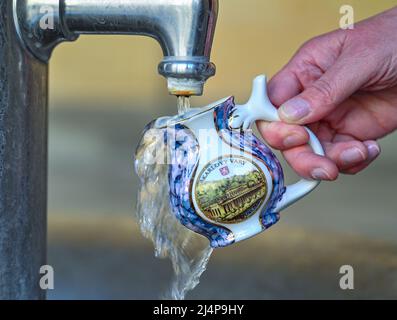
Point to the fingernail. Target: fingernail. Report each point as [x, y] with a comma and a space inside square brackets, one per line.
[292, 141]
[294, 109]
[373, 149]
[352, 155]
[320, 174]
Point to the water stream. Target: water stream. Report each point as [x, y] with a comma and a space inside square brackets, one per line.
[189, 252]
[183, 104]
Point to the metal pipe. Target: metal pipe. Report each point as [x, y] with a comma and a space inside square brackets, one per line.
[184, 29]
[23, 164]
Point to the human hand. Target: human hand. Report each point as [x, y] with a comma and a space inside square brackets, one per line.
[343, 85]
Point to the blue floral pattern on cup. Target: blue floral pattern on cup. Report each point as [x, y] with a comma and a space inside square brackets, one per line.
[246, 141]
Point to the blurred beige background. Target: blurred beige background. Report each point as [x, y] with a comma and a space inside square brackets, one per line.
[252, 37]
[103, 90]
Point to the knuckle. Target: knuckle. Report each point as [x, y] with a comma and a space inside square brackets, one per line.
[310, 45]
[324, 91]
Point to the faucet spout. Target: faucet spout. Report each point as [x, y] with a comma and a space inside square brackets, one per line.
[183, 28]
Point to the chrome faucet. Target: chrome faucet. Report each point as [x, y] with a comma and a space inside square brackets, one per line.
[29, 31]
[184, 29]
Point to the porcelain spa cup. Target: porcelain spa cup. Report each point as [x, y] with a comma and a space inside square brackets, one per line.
[225, 183]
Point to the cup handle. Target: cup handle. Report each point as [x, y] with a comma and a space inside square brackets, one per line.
[259, 107]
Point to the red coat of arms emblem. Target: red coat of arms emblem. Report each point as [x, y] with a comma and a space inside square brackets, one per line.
[224, 171]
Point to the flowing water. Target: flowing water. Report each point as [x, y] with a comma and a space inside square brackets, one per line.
[183, 104]
[188, 252]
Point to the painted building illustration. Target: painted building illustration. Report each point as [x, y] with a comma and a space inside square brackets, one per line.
[236, 201]
[233, 198]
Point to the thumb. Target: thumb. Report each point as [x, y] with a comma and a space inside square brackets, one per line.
[323, 95]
